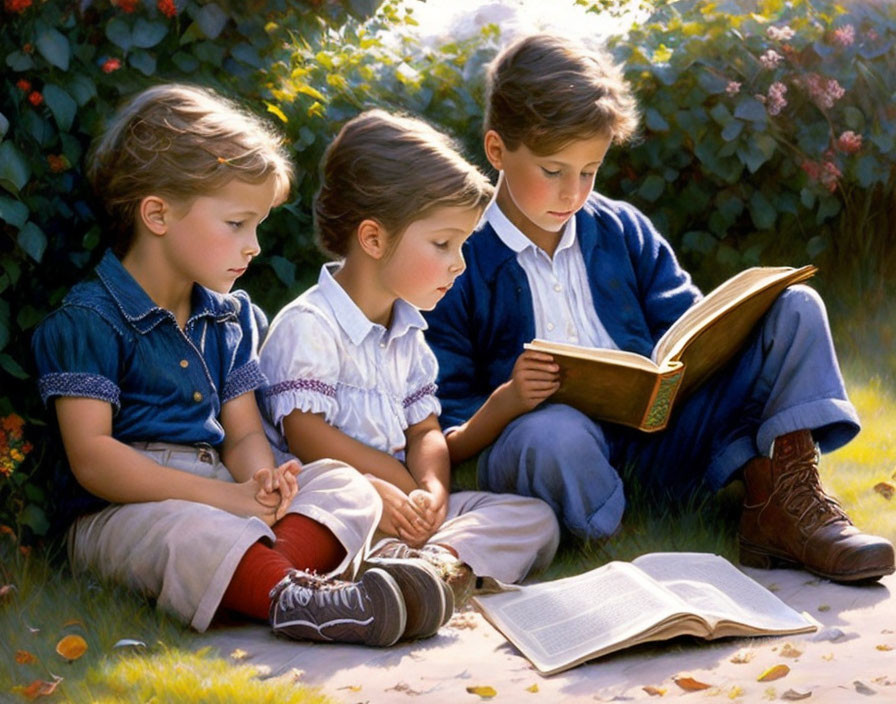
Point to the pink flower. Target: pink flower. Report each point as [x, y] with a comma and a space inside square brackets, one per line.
[733, 88]
[781, 34]
[824, 91]
[849, 142]
[845, 35]
[776, 101]
[826, 173]
[771, 59]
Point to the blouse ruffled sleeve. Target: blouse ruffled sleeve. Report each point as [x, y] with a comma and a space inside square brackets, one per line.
[77, 354]
[300, 359]
[421, 401]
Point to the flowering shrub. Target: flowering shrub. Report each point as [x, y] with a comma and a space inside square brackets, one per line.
[770, 131]
[65, 65]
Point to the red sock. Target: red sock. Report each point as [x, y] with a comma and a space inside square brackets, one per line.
[255, 575]
[307, 544]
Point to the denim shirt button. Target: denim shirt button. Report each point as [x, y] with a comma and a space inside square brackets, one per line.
[197, 397]
[184, 363]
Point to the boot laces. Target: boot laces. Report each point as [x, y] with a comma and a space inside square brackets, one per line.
[803, 496]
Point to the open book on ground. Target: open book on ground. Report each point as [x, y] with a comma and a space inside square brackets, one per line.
[627, 388]
[563, 623]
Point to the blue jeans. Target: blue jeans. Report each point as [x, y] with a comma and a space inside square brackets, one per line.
[786, 378]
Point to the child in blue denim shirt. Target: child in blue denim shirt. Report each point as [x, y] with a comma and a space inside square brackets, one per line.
[151, 367]
[555, 260]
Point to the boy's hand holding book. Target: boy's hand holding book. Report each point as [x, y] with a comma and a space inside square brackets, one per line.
[534, 378]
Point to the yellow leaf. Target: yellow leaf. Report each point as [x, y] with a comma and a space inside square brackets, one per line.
[885, 489]
[239, 654]
[485, 692]
[533, 689]
[352, 687]
[278, 112]
[23, 657]
[775, 672]
[71, 647]
[689, 684]
[828, 657]
[824, 607]
[884, 646]
[736, 692]
[310, 90]
[654, 691]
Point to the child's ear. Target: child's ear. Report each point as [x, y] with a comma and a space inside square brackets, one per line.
[372, 238]
[494, 149]
[154, 212]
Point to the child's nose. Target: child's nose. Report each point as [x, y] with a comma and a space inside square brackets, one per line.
[252, 248]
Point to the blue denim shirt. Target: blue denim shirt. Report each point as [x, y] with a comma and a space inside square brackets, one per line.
[111, 342]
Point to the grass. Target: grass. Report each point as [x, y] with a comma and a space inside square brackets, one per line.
[173, 666]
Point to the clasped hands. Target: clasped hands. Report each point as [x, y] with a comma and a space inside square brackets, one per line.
[412, 517]
[276, 488]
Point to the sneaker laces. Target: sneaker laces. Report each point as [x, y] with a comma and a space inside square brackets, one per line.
[302, 591]
[804, 497]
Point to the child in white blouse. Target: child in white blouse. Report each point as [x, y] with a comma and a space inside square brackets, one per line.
[350, 375]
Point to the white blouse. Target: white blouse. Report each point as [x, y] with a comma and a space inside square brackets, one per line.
[323, 355]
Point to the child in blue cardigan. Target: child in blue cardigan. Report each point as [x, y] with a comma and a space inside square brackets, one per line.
[554, 260]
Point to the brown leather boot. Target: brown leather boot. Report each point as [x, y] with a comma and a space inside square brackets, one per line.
[788, 519]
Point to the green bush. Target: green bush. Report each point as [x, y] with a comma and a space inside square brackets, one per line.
[66, 64]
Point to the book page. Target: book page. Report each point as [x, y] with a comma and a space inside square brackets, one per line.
[620, 357]
[718, 591]
[568, 620]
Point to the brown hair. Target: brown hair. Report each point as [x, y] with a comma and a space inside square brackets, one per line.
[179, 141]
[545, 91]
[394, 170]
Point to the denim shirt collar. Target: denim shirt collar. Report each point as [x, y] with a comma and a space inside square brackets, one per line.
[142, 313]
[356, 325]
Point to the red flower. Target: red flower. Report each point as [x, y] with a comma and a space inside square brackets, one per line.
[110, 65]
[128, 6]
[23, 85]
[35, 98]
[16, 5]
[28, 48]
[167, 7]
[849, 142]
[58, 163]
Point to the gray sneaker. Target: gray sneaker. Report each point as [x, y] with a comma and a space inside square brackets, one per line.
[306, 606]
[428, 600]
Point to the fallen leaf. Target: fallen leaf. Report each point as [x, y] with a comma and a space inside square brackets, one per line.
[824, 607]
[292, 676]
[775, 672]
[884, 680]
[689, 684]
[533, 688]
[773, 587]
[352, 687]
[485, 692]
[789, 651]
[23, 657]
[129, 643]
[71, 647]
[828, 657]
[885, 489]
[770, 693]
[793, 695]
[735, 692]
[239, 654]
[654, 691]
[863, 688]
[884, 646]
[403, 687]
[742, 656]
[40, 688]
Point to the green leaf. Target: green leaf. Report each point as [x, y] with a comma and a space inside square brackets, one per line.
[711, 82]
[654, 120]
[12, 367]
[34, 516]
[211, 20]
[54, 47]
[284, 268]
[61, 105]
[15, 212]
[118, 32]
[854, 118]
[868, 171]
[81, 88]
[14, 169]
[816, 245]
[19, 61]
[28, 317]
[750, 109]
[652, 187]
[4, 323]
[828, 207]
[732, 130]
[143, 61]
[698, 241]
[4, 125]
[33, 240]
[185, 62]
[720, 114]
[147, 34]
[762, 211]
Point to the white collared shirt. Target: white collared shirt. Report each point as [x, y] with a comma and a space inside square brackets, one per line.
[561, 295]
[323, 355]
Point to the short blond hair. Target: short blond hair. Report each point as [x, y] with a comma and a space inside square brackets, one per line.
[180, 141]
[392, 169]
[546, 91]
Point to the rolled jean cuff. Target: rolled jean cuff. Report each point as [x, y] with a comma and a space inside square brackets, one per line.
[833, 422]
